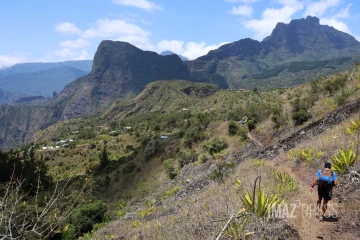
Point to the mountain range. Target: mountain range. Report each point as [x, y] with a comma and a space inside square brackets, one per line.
[294, 53]
[84, 65]
[39, 79]
[41, 83]
[120, 70]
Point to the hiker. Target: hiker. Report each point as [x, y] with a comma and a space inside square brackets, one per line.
[326, 180]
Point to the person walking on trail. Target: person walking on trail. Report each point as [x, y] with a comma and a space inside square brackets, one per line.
[326, 180]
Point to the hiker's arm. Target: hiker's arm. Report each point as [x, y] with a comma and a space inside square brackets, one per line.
[313, 184]
[336, 183]
[335, 179]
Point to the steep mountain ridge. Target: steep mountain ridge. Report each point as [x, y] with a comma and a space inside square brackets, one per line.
[120, 70]
[249, 63]
[162, 96]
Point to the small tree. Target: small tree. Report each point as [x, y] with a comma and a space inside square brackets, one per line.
[300, 112]
[104, 158]
[214, 146]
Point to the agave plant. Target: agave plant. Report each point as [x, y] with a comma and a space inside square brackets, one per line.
[236, 231]
[263, 203]
[307, 155]
[237, 185]
[285, 183]
[354, 126]
[344, 159]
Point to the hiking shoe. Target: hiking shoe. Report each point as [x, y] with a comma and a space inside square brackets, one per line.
[321, 217]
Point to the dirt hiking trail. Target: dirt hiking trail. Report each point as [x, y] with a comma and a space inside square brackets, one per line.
[306, 222]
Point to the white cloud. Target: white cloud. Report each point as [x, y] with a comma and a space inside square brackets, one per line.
[120, 30]
[243, 1]
[71, 54]
[244, 10]
[194, 50]
[271, 16]
[79, 43]
[335, 21]
[107, 28]
[338, 24]
[143, 4]
[84, 55]
[67, 28]
[138, 41]
[10, 60]
[320, 7]
[344, 12]
[174, 45]
[191, 50]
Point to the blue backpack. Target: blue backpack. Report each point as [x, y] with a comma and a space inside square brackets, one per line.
[325, 180]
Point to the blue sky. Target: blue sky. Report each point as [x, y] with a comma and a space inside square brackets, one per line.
[60, 30]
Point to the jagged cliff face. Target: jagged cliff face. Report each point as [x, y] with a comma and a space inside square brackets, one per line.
[308, 38]
[120, 70]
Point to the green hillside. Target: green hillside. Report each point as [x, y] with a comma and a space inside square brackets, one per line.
[152, 184]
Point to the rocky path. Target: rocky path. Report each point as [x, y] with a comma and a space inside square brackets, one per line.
[310, 227]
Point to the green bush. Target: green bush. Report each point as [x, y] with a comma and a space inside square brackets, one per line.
[87, 133]
[232, 128]
[341, 97]
[300, 112]
[170, 168]
[277, 116]
[214, 146]
[242, 132]
[129, 167]
[203, 158]
[301, 116]
[68, 233]
[185, 158]
[332, 86]
[192, 135]
[85, 217]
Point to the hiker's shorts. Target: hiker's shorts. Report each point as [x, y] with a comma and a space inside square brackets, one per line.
[325, 193]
